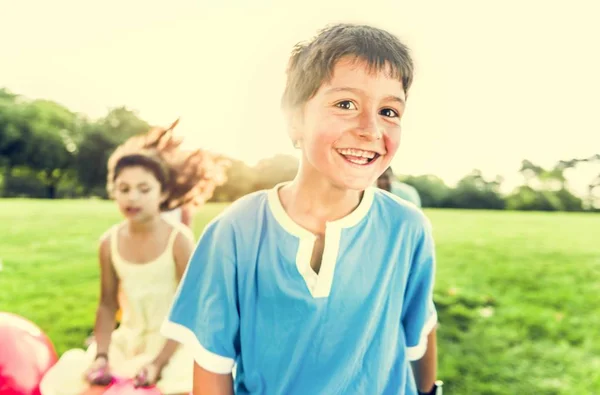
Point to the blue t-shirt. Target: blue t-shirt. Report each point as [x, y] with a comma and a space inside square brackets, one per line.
[250, 298]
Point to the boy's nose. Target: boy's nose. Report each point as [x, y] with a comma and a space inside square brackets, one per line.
[369, 126]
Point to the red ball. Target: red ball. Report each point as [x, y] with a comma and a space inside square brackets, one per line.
[26, 354]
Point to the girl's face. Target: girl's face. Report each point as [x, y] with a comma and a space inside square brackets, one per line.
[138, 193]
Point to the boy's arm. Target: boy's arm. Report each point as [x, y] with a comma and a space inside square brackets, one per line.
[208, 383]
[425, 369]
[419, 316]
[205, 382]
[204, 316]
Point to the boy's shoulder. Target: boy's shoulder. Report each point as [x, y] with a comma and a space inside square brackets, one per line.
[243, 211]
[400, 211]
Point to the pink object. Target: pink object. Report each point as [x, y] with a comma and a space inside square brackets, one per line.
[95, 390]
[26, 354]
[120, 386]
[126, 387]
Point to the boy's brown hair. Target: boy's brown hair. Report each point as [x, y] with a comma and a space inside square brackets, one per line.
[311, 64]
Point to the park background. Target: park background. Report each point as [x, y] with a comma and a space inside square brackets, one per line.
[501, 138]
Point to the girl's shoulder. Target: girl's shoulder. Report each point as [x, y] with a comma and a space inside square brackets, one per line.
[110, 233]
[107, 239]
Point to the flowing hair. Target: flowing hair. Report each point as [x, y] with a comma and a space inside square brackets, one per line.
[188, 176]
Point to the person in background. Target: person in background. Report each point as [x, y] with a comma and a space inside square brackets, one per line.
[183, 214]
[388, 182]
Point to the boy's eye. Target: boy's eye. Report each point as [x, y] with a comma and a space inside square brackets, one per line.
[145, 190]
[123, 190]
[346, 105]
[388, 112]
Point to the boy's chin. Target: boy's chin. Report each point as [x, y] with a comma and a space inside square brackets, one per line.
[355, 184]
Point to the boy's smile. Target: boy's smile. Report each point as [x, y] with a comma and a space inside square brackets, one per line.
[350, 129]
[358, 156]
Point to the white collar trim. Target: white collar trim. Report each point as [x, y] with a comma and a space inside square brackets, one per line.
[293, 228]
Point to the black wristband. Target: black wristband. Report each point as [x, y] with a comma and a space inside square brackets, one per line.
[101, 355]
[435, 390]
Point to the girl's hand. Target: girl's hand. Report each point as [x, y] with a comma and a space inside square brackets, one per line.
[99, 373]
[148, 375]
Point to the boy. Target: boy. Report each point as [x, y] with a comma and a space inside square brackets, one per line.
[322, 285]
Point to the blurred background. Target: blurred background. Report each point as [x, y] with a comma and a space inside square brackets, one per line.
[501, 140]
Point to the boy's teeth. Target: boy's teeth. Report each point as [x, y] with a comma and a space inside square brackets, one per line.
[357, 153]
[358, 161]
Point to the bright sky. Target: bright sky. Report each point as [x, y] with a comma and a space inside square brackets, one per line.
[495, 83]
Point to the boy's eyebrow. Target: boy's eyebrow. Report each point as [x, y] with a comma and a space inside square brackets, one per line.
[359, 91]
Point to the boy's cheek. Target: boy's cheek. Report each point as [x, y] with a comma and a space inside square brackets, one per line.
[327, 134]
[392, 142]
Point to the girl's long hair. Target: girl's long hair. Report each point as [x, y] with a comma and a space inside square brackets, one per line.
[188, 176]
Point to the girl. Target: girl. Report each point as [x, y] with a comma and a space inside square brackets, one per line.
[142, 260]
[163, 141]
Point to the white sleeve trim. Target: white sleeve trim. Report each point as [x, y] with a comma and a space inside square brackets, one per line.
[205, 359]
[415, 353]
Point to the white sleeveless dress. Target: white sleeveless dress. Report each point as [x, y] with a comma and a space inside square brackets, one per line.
[148, 290]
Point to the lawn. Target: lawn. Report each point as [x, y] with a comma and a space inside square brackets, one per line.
[518, 294]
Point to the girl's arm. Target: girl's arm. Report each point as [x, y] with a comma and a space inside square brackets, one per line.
[208, 383]
[182, 251]
[108, 306]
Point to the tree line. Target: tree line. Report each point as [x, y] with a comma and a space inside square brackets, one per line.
[49, 151]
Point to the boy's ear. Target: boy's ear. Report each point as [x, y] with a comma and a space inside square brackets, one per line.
[294, 126]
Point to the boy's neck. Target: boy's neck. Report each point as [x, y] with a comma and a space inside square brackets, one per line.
[312, 201]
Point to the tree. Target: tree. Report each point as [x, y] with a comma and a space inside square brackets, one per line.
[474, 192]
[568, 201]
[56, 136]
[275, 170]
[41, 135]
[593, 201]
[530, 172]
[432, 189]
[5, 94]
[100, 139]
[240, 181]
[528, 199]
[11, 133]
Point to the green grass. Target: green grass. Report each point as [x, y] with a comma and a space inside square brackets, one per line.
[518, 294]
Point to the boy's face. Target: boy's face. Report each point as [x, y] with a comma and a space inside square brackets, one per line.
[350, 130]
